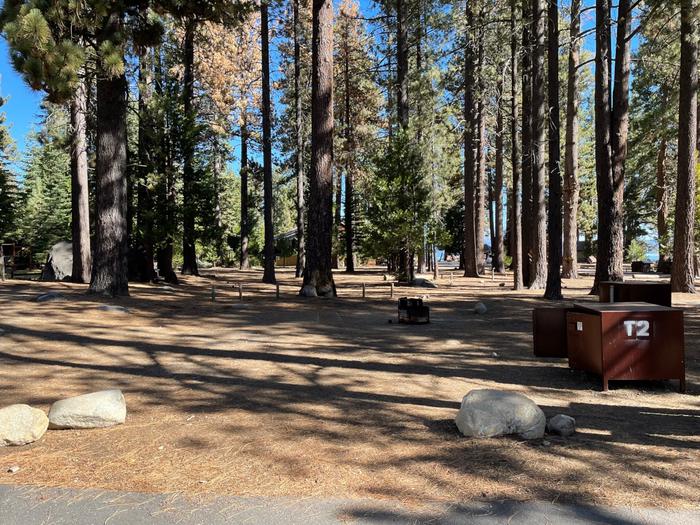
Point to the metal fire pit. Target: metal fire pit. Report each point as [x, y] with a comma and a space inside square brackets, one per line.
[627, 341]
[413, 311]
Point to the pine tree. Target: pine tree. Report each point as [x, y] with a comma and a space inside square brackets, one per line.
[318, 275]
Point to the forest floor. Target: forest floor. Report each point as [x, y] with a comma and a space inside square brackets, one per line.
[325, 398]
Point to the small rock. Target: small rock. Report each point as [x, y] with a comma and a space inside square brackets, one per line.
[502, 285]
[167, 288]
[325, 291]
[561, 425]
[21, 425]
[13, 469]
[50, 296]
[480, 309]
[308, 291]
[546, 443]
[114, 308]
[494, 354]
[490, 413]
[95, 410]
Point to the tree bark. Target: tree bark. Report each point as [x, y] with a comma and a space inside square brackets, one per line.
[349, 164]
[619, 132]
[554, 222]
[527, 154]
[166, 194]
[571, 183]
[189, 256]
[515, 152]
[497, 240]
[603, 159]
[299, 154]
[144, 270]
[470, 260]
[269, 253]
[109, 269]
[245, 215]
[539, 121]
[683, 268]
[80, 208]
[318, 275]
[481, 191]
[662, 203]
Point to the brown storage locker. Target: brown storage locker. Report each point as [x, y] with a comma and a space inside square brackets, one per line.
[549, 332]
[627, 341]
[635, 292]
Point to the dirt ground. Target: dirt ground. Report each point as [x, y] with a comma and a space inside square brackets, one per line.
[320, 397]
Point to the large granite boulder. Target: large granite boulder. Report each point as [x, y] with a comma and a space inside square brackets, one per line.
[490, 413]
[21, 424]
[96, 410]
[59, 263]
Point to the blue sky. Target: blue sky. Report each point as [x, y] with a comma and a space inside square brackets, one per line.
[22, 107]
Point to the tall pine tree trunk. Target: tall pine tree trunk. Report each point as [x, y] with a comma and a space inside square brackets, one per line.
[603, 160]
[571, 183]
[662, 202]
[245, 214]
[527, 219]
[189, 256]
[517, 231]
[497, 239]
[166, 193]
[619, 132]
[318, 275]
[145, 149]
[469, 256]
[554, 222]
[269, 253]
[539, 122]
[299, 146]
[109, 268]
[80, 208]
[683, 269]
[349, 162]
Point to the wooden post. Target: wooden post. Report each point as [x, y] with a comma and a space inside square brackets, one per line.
[450, 278]
[213, 294]
[391, 290]
[363, 291]
[240, 291]
[278, 291]
[493, 273]
[2, 264]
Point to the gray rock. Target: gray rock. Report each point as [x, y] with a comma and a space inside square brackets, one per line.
[480, 309]
[490, 413]
[114, 308]
[13, 470]
[561, 425]
[59, 263]
[95, 410]
[325, 291]
[308, 291]
[425, 283]
[50, 296]
[21, 424]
